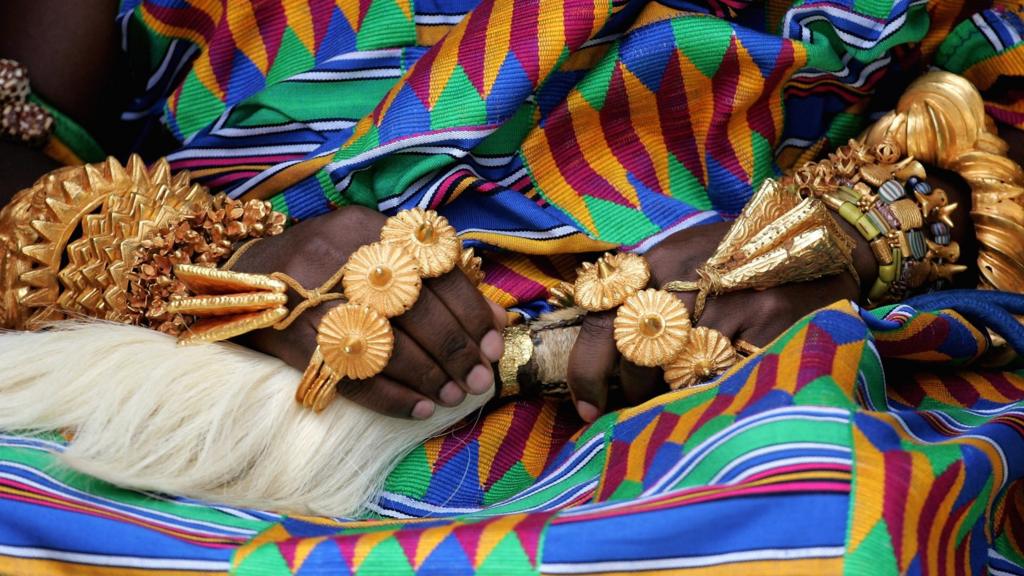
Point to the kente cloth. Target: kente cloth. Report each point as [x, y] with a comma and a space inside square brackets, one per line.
[541, 128]
[862, 443]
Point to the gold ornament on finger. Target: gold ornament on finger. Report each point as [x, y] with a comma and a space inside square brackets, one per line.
[353, 341]
[651, 327]
[472, 266]
[382, 276]
[608, 282]
[427, 237]
[706, 354]
[562, 295]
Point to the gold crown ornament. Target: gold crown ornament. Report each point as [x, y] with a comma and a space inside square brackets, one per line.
[941, 120]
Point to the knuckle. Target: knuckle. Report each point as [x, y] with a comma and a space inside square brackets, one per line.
[772, 303]
[597, 325]
[455, 347]
[432, 379]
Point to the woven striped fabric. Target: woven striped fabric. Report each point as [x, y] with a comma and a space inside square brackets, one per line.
[543, 127]
[857, 443]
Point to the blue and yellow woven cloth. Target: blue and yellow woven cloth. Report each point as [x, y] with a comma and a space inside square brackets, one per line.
[857, 443]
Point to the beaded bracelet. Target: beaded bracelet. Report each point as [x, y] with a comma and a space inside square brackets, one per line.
[887, 201]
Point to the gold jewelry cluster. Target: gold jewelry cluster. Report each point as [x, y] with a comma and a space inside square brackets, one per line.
[99, 241]
[883, 195]
[381, 281]
[652, 327]
[941, 120]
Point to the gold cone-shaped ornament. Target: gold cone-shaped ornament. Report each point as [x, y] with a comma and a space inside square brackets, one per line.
[779, 238]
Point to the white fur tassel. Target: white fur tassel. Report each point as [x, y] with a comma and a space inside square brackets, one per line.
[215, 422]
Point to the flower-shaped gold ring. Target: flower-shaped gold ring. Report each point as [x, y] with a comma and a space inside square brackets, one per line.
[427, 237]
[356, 342]
[651, 327]
[705, 354]
[383, 277]
[607, 283]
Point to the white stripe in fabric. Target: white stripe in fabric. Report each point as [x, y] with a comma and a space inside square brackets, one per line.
[326, 75]
[994, 554]
[493, 161]
[580, 458]
[428, 507]
[775, 448]
[427, 199]
[693, 561]
[466, 133]
[115, 561]
[553, 233]
[995, 445]
[993, 38]
[30, 442]
[781, 462]
[842, 74]
[438, 19]
[398, 200]
[853, 40]
[453, 151]
[601, 40]
[577, 461]
[152, 516]
[247, 151]
[367, 55]
[513, 177]
[691, 221]
[1012, 32]
[320, 126]
[270, 172]
[155, 77]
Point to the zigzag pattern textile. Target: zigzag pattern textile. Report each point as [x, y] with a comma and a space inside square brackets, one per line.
[544, 127]
[857, 443]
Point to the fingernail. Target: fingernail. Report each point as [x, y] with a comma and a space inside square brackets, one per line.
[587, 411]
[492, 346]
[451, 394]
[423, 409]
[479, 380]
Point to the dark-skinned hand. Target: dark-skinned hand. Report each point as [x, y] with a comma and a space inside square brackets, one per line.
[444, 345]
[757, 317]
